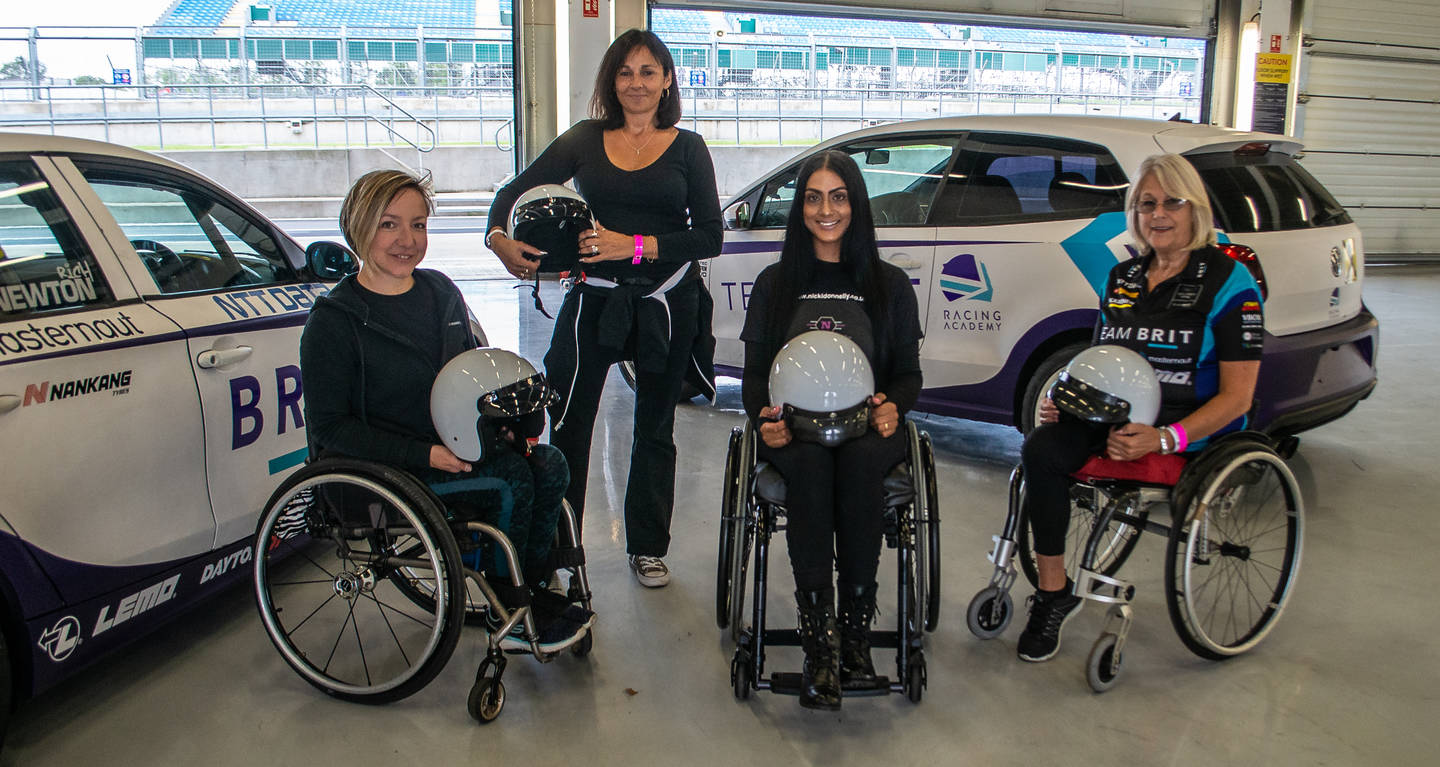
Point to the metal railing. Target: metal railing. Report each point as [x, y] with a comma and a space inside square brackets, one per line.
[296, 115]
[167, 116]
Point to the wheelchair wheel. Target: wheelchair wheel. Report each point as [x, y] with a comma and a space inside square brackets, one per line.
[989, 613]
[327, 551]
[1102, 666]
[1231, 566]
[1114, 549]
[730, 520]
[927, 531]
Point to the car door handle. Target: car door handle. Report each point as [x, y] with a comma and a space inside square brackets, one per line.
[9, 402]
[219, 358]
[905, 262]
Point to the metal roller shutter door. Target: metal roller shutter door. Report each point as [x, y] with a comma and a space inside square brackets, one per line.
[1369, 114]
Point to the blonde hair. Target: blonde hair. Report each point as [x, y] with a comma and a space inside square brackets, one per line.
[1179, 178]
[367, 200]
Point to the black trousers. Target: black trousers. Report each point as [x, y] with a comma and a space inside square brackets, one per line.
[1051, 453]
[577, 364]
[834, 504]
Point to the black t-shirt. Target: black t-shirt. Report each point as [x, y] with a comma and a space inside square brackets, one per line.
[673, 199]
[833, 302]
[1210, 312]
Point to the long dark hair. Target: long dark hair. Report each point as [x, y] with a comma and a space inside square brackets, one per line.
[859, 253]
[605, 105]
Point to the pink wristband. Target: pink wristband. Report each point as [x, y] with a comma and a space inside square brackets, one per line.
[1181, 439]
[639, 249]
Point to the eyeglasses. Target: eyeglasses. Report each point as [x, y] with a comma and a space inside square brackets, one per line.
[1171, 204]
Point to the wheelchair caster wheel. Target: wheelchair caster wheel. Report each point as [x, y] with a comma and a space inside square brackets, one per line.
[990, 612]
[915, 679]
[740, 675]
[1102, 668]
[486, 700]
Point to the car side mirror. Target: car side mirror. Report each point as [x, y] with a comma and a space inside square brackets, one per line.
[877, 157]
[737, 216]
[330, 260]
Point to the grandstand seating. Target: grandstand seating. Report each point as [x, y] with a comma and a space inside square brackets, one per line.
[330, 13]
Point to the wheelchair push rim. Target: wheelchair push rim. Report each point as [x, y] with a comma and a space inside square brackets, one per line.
[1232, 565]
[327, 588]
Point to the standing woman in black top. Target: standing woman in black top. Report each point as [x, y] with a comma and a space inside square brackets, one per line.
[830, 277]
[651, 187]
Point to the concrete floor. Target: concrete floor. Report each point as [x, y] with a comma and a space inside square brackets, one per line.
[1349, 676]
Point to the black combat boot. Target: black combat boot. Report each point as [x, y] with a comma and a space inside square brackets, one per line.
[820, 684]
[857, 609]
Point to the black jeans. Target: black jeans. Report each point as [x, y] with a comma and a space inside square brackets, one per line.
[1051, 453]
[576, 365]
[834, 504]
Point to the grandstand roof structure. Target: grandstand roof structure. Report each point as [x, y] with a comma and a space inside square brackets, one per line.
[324, 13]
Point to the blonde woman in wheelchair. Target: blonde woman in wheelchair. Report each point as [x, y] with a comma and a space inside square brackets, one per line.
[1196, 316]
[369, 356]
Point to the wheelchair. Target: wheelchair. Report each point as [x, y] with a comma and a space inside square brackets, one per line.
[1232, 547]
[753, 509]
[361, 582]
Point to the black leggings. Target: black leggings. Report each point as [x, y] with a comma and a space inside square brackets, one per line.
[1050, 455]
[834, 503]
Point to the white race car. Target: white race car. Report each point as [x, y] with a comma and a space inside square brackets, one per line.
[150, 394]
[1008, 227]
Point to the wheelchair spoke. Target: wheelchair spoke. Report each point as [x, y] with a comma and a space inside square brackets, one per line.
[291, 632]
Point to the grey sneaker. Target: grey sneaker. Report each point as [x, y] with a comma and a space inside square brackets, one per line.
[650, 571]
[1048, 615]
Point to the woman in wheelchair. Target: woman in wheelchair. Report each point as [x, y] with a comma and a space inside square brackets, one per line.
[369, 355]
[1195, 315]
[830, 277]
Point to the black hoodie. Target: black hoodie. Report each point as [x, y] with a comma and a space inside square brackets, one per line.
[367, 387]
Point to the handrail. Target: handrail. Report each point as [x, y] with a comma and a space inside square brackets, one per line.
[401, 110]
[510, 126]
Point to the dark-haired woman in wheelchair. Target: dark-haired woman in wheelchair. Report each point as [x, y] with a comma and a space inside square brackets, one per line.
[830, 277]
[371, 351]
[1196, 315]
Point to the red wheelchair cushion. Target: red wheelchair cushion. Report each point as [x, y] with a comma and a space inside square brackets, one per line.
[1152, 468]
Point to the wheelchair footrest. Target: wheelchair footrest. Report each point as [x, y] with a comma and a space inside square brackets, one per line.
[791, 638]
[788, 683]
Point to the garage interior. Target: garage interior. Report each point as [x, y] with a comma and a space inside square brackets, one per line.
[1347, 677]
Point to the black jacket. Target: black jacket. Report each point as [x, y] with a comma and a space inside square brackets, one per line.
[367, 387]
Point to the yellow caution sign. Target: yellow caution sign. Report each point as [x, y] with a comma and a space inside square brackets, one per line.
[1272, 68]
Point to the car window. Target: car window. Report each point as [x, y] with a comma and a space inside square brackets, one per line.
[1004, 178]
[1268, 193]
[189, 240]
[44, 263]
[901, 175]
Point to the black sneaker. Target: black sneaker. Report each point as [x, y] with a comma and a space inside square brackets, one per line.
[1048, 615]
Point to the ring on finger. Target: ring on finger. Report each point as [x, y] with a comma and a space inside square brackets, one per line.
[594, 249]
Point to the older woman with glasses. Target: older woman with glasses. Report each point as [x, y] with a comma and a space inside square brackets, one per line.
[1196, 315]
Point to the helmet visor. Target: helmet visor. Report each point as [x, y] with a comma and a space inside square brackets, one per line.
[828, 429]
[520, 398]
[1087, 402]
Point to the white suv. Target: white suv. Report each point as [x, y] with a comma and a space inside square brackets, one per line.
[1008, 226]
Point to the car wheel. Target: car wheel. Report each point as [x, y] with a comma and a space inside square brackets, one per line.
[1041, 381]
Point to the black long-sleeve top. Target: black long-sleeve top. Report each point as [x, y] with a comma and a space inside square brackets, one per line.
[367, 384]
[895, 361]
[672, 199]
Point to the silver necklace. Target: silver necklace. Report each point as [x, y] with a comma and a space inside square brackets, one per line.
[637, 149]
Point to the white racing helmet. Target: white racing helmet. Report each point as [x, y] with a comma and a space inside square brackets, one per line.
[481, 389]
[1109, 384]
[823, 382]
[551, 217]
